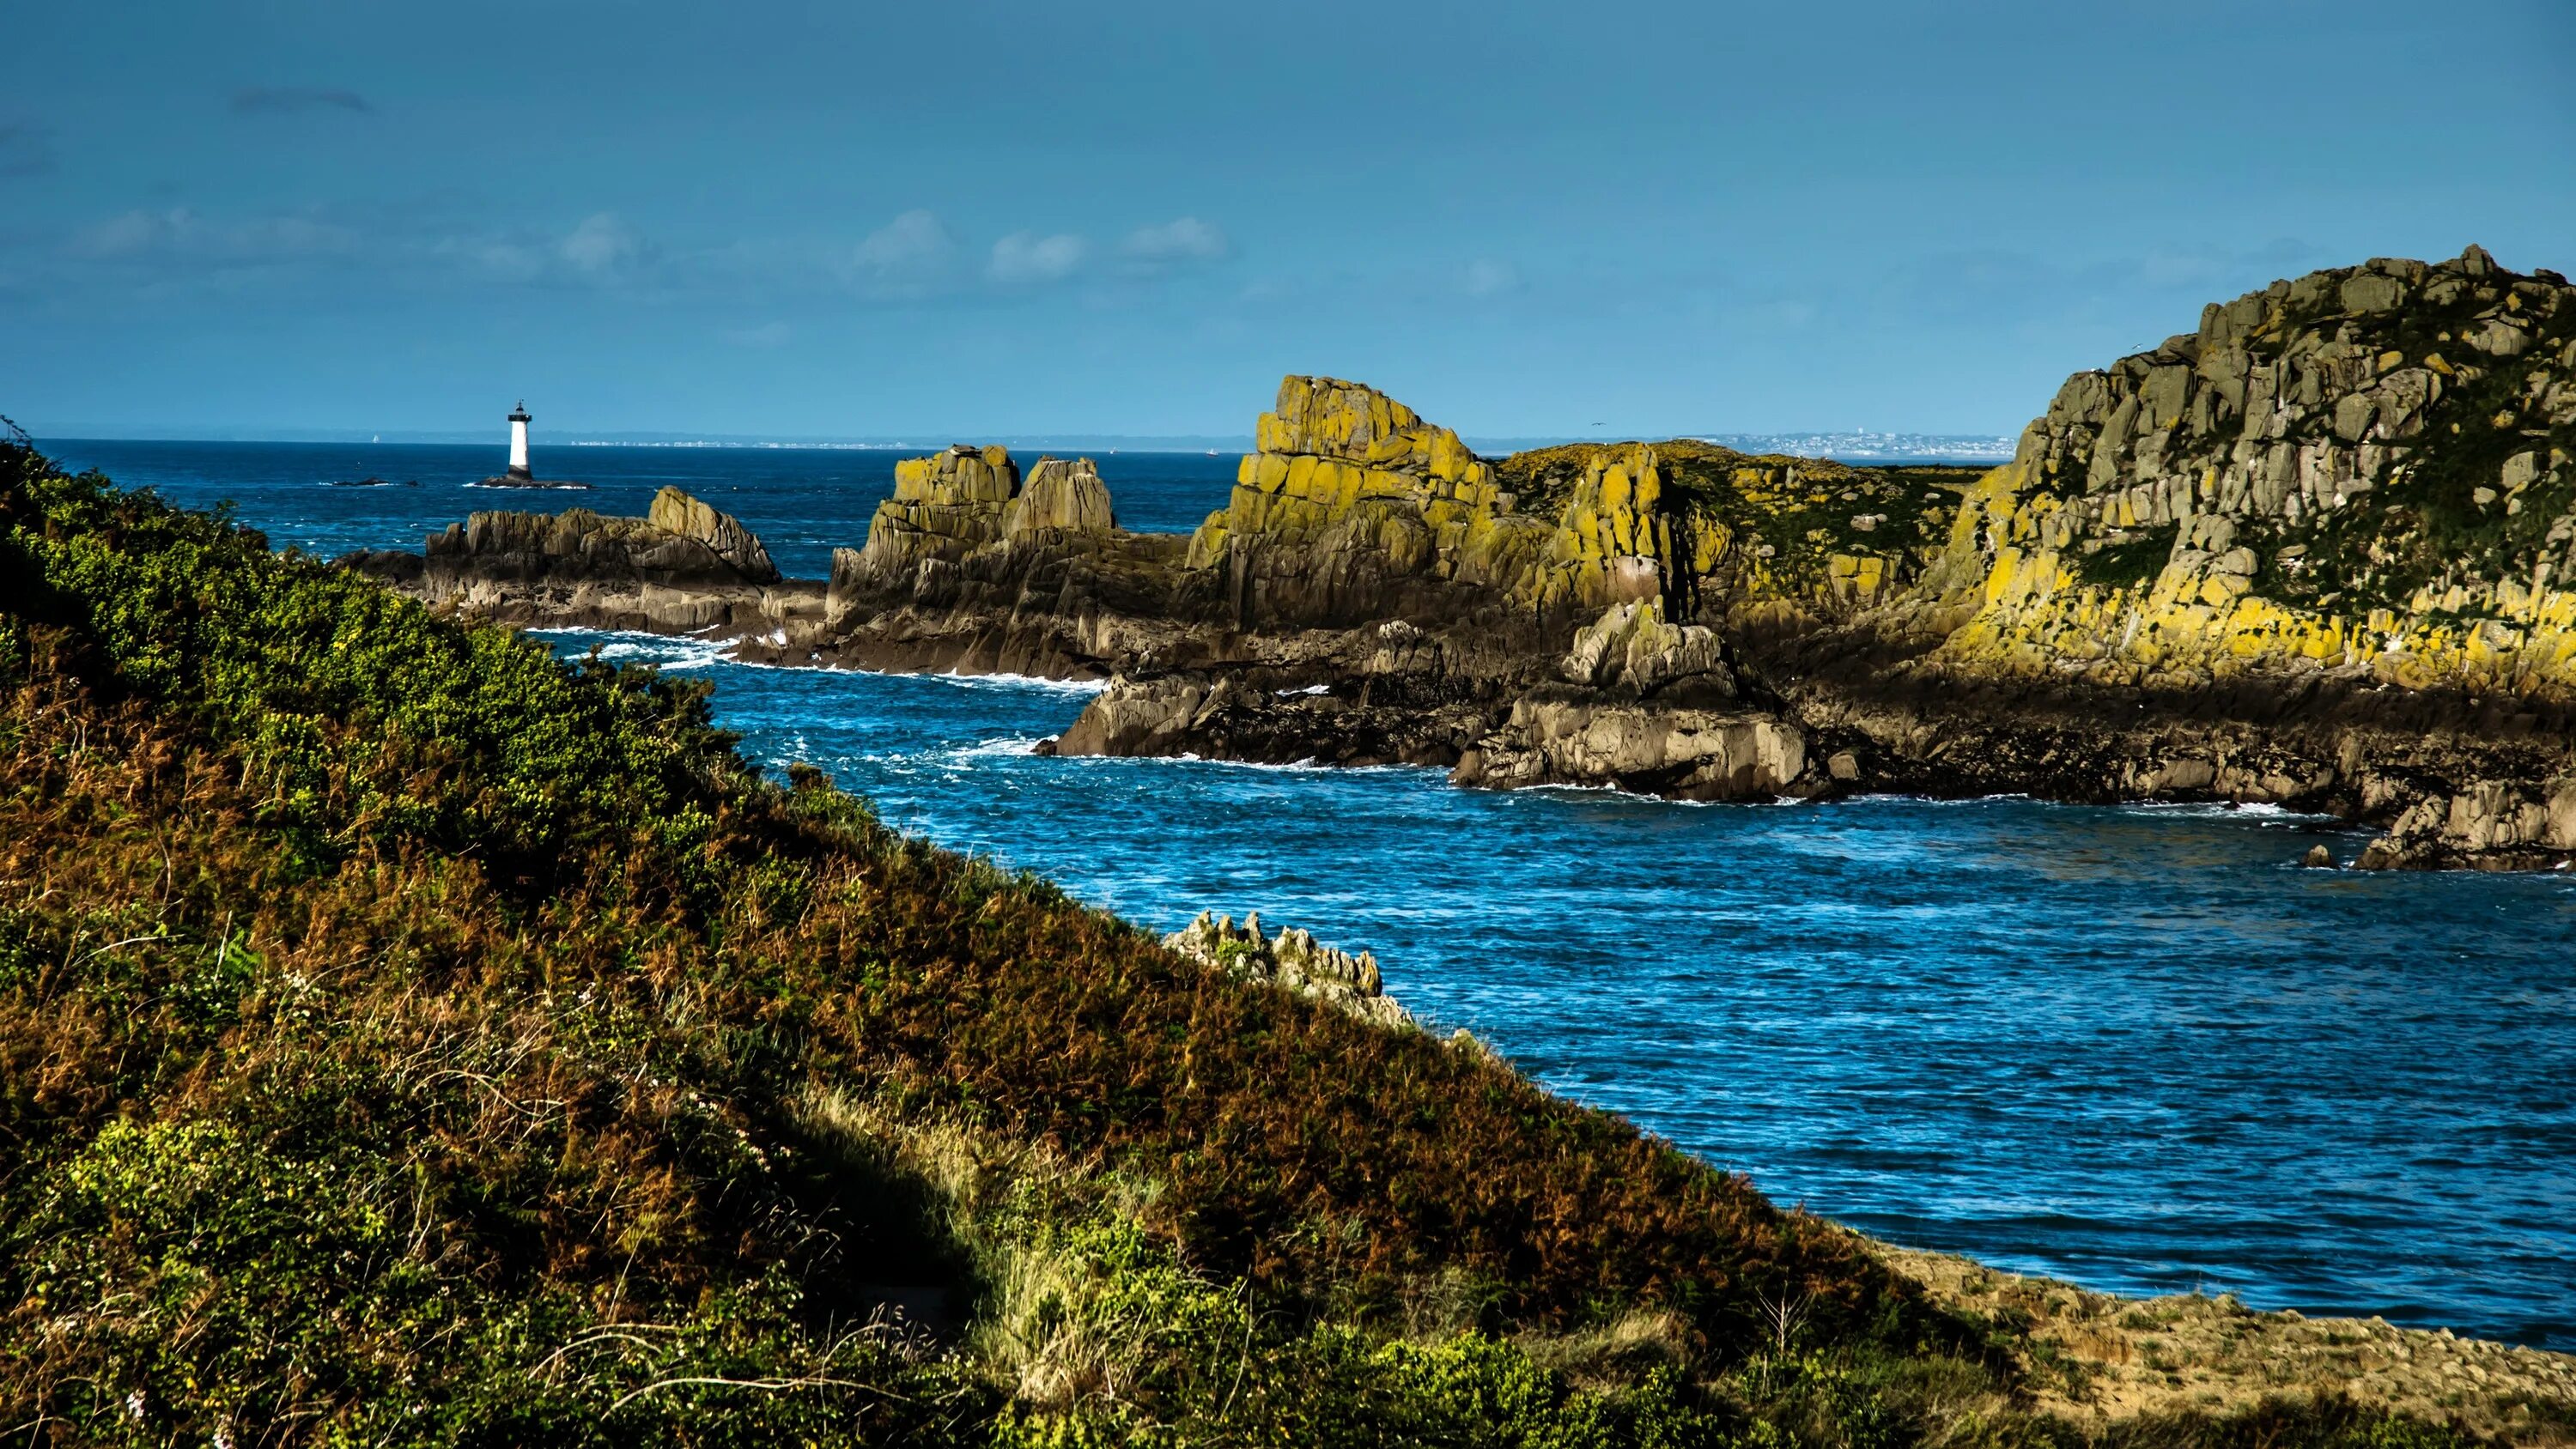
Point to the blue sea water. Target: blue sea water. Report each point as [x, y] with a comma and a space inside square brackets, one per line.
[801, 501]
[2137, 1048]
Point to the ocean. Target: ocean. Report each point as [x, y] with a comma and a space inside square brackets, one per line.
[2137, 1048]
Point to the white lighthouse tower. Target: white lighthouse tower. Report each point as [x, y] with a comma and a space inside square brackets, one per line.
[519, 444]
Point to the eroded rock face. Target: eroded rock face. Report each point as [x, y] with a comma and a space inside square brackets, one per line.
[683, 567]
[944, 507]
[968, 566]
[1357, 509]
[2371, 468]
[1293, 960]
[1062, 498]
[1632, 646]
[680, 542]
[1353, 510]
[723, 535]
[1688, 753]
[2508, 824]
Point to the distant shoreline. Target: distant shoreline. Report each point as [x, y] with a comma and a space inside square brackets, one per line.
[1968, 449]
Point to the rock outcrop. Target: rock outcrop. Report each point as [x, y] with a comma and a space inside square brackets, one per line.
[684, 517]
[1062, 501]
[2320, 552]
[1293, 960]
[683, 566]
[944, 507]
[2370, 469]
[1554, 738]
[2343, 513]
[971, 567]
[1355, 510]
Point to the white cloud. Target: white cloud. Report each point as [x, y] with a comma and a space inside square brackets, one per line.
[1025, 258]
[1184, 240]
[180, 234]
[600, 245]
[602, 250]
[134, 234]
[1486, 277]
[913, 245]
[767, 334]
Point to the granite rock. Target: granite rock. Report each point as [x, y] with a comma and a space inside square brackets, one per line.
[1292, 960]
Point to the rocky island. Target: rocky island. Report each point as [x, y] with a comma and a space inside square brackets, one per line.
[2314, 553]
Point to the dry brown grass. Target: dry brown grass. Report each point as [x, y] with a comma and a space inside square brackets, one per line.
[2096, 1359]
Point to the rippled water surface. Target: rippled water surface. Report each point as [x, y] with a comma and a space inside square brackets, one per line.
[2137, 1047]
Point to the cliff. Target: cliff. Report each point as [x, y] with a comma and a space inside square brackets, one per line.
[2335, 525]
[2371, 469]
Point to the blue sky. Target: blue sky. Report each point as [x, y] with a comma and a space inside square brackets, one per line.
[979, 217]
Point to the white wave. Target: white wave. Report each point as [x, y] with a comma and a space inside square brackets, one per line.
[636, 646]
[2259, 810]
[696, 649]
[1014, 681]
[1308, 766]
[990, 749]
[1645, 797]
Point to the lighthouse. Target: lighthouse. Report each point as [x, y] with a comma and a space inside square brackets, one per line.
[519, 443]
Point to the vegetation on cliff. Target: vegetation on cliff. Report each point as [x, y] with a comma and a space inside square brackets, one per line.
[406, 1037]
[2369, 468]
[1808, 531]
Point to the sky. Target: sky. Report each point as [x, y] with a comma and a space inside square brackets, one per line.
[987, 217]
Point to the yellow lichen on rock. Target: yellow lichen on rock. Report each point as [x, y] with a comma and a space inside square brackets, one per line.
[2201, 616]
[1349, 484]
[1346, 478]
[2283, 491]
[951, 504]
[1614, 540]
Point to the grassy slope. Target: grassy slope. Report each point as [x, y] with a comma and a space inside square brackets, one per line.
[406, 1038]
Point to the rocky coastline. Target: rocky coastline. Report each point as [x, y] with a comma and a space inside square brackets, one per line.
[2316, 553]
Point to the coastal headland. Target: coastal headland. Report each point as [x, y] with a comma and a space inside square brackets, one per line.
[2315, 553]
[409, 1036]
